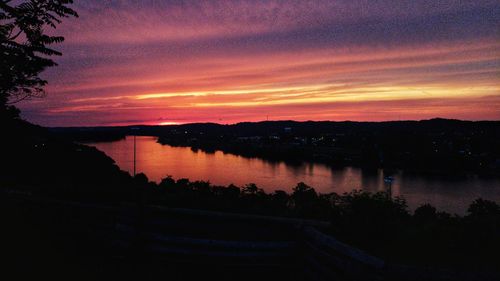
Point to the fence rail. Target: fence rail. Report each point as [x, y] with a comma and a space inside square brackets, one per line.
[175, 233]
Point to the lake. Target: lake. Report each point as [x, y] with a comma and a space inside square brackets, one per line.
[157, 161]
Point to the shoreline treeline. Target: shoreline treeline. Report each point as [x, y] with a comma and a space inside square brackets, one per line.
[43, 164]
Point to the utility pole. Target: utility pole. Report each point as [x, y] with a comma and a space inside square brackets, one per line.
[135, 145]
[389, 180]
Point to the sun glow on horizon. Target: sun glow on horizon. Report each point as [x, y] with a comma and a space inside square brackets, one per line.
[233, 61]
[169, 123]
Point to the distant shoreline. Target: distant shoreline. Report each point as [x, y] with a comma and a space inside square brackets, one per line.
[432, 147]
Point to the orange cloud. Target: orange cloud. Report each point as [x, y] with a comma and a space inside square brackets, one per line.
[157, 62]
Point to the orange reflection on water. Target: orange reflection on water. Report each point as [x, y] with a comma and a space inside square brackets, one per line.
[158, 161]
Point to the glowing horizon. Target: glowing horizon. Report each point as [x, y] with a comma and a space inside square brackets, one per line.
[174, 62]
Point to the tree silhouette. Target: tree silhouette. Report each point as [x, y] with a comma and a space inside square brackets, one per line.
[24, 47]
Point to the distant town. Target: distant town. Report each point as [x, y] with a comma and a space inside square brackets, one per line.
[437, 146]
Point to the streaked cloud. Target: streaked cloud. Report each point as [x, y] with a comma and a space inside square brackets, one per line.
[228, 61]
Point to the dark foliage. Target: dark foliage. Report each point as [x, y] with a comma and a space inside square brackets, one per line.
[24, 46]
[43, 165]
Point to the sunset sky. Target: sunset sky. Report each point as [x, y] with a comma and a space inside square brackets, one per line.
[165, 62]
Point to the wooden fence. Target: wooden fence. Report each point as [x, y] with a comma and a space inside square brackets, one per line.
[206, 237]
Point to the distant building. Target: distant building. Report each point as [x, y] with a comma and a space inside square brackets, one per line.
[252, 138]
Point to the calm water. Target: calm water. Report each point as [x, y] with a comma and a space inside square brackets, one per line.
[157, 161]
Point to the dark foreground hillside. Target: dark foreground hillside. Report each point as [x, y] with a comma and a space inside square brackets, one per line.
[67, 210]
